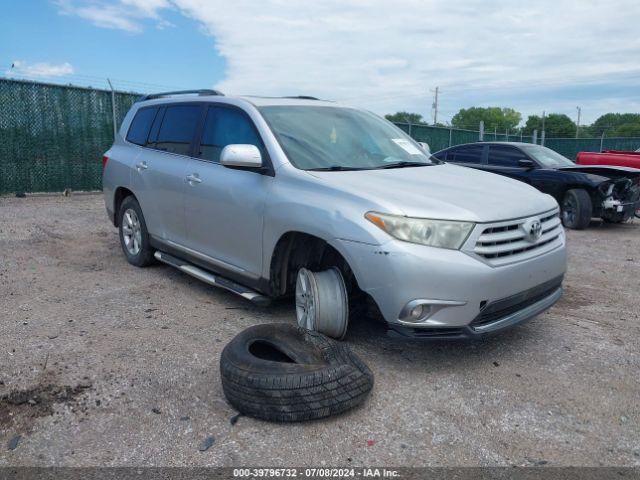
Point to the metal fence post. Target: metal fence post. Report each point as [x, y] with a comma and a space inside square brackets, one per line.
[113, 109]
[481, 130]
[535, 135]
[450, 133]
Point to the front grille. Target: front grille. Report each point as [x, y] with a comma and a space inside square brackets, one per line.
[503, 242]
[445, 332]
[502, 308]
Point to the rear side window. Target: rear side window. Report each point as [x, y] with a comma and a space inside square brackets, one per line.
[440, 155]
[504, 156]
[178, 128]
[141, 124]
[227, 126]
[467, 154]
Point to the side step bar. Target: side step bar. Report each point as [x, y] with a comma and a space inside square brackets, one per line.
[211, 279]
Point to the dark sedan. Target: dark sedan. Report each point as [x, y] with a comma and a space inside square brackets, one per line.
[583, 192]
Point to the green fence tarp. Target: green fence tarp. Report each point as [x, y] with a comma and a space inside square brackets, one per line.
[52, 137]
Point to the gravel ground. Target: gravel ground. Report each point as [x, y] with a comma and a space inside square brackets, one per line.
[123, 365]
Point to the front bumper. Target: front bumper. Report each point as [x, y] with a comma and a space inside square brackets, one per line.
[494, 318]
[462, 287]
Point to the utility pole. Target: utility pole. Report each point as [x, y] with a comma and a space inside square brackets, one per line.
[435, 106]
[543, 119]
[578, 122]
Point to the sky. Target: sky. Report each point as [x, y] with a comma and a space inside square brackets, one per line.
[381, 55]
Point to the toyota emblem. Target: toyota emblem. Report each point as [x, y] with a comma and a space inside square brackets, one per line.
[533, 229]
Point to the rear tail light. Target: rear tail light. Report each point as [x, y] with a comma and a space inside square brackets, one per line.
[105, 159]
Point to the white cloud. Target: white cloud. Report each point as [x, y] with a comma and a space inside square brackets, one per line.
[388, 55]
[42, 69]
[124, 15]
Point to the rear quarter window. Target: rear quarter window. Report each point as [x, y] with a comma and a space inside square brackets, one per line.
[140, 125]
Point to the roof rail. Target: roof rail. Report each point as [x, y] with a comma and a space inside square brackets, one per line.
[303, 97]
[180, 92]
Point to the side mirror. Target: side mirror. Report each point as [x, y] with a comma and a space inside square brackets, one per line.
[241, 155]
[425, 147]
[526, 163]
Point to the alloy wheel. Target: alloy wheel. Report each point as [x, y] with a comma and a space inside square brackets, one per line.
[131, 232]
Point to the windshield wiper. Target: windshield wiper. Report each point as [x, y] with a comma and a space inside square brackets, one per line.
[404, 164]
[334, 168]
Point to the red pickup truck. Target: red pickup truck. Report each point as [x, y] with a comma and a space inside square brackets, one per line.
[610, 157]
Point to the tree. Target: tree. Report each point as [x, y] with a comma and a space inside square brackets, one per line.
[404, 117]
[555, 125]
[616, 124]
[493, 117]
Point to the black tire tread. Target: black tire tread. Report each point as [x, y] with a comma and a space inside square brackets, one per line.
[585, 208]
[290, 397]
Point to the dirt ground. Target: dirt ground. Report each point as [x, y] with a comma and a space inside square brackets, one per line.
[105, 364]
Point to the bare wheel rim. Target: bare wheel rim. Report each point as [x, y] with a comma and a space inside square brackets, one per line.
[305, 299]
[131, 231]
[322, 302]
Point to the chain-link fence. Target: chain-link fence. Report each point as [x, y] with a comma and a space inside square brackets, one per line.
[52, 137]
[443, 137]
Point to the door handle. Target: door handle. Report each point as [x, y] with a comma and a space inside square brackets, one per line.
[194, 178]
[141, 166]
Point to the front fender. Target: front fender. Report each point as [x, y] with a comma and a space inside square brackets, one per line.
[304, 206]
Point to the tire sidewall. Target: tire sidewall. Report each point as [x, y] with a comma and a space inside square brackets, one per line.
[584, 209]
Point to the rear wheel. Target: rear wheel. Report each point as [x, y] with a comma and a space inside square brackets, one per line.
[134, 237]
[576, 209]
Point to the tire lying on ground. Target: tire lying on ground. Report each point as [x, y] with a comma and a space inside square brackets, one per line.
[285, 373]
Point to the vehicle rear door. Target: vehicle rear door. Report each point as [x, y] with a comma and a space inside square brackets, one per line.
[160, 169]
[224, 207]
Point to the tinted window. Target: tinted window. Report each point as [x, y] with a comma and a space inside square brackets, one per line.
[177, 129]
[155, 127]
[467, 154]
[226, 126]
[440, 155]
[140, 126]
[504, 156]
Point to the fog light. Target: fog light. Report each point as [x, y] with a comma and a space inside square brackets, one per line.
[417, 312]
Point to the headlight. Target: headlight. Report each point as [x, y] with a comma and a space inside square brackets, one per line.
[435, 233]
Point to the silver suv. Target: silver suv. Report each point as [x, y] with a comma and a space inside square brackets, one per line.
[273, 197]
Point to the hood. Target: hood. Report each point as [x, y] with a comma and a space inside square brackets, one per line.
[446, 192]
[604, 170]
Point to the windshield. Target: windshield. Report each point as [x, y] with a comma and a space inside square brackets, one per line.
[335, 138]
[547, 157]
